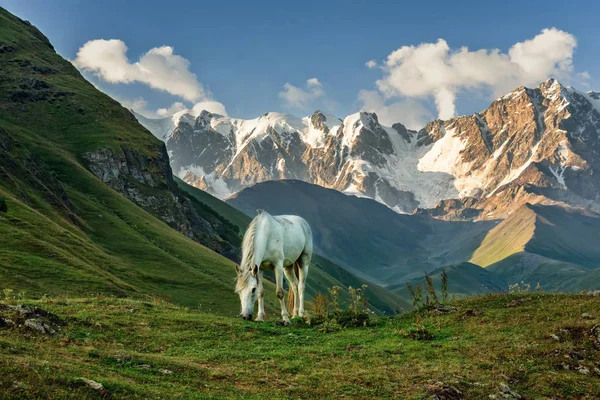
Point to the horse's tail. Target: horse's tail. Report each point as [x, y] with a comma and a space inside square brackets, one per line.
[291, 299]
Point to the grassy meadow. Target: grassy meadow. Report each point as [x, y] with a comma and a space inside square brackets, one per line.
[542, 346]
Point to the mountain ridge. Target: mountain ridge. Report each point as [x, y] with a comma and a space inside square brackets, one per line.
[531, 145]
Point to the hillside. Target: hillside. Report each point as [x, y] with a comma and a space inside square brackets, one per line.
[65, 230]
[479, 348]
[464, 279]
[543, 244]
[365, 236]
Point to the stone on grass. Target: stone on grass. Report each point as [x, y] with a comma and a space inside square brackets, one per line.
[93, 384]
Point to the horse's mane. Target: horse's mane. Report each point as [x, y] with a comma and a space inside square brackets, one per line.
[247, 254]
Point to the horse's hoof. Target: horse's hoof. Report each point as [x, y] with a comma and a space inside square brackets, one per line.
[259, 320]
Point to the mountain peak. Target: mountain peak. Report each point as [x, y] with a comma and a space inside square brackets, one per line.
[551, 86]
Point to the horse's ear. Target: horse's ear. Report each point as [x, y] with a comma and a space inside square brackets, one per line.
[255, 270]
[259, 211]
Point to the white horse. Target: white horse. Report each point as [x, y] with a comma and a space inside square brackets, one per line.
[282, 243]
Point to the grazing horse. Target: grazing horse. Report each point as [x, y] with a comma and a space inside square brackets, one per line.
[281, 243]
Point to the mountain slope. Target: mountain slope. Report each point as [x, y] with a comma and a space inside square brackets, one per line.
[543, 244]
[65, 231]
[365, 236]
[464, 279]
[555, 232]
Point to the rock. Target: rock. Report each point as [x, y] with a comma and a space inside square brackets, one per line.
[587, 316]
[165, 371]
[595, 293]
[39, 326]
[507, 393]
[5, 323]
[555, 337]
[583, 370]
[518, 302]
[441, 309]
[144, 366]
[93, 384]
[31, 318]
[148, 182]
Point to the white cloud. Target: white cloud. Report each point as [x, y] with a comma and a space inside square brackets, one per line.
[371, 64]
[211, 106]
[159, 68]
[140, 106]
[296, 97]
[172, 109]
[409, 112]
[433, 69]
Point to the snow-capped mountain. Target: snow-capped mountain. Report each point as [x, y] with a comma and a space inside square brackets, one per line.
[533, 145]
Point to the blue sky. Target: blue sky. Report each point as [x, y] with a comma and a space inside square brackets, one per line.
[243, 53]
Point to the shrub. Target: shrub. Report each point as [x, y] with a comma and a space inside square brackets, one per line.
[330, 316]
[431, 290]
[444, 285]
[3, 205]
[519, 288]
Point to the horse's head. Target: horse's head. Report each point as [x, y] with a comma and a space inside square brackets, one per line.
[247, 288]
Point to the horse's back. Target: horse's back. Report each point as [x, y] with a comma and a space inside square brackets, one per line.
[296, 236]
[294, 223]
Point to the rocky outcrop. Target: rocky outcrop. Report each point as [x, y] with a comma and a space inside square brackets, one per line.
[29, 319]
[148, 182]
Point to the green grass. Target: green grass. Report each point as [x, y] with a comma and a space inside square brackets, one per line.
[509, 237]
[124, 343]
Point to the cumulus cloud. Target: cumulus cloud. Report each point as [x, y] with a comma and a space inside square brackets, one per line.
[371, 64]
[296, 97]
[209, 105]
[433, 69]
[159, 68]
[140, 106]
[409, 112]
[172, 109]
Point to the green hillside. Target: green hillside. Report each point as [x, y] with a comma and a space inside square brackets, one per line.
[553, 246]
[67, 232]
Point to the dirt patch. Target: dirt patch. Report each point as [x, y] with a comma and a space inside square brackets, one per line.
[518, 302]
[443, 391]
[471, 313]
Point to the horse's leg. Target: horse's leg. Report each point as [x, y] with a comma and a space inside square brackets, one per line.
[293, 280]
[302, 274]
[280, 293]
[261, 298]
